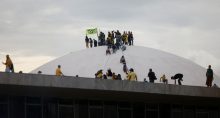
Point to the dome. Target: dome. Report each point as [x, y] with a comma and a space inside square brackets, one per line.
[86, 63]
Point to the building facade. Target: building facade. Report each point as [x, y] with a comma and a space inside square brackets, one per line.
[44, 96]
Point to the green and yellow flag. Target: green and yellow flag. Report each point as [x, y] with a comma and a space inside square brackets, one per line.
[91, 31]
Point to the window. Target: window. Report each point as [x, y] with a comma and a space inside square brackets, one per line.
[189, 112]
[96, 109]
[66, 108]
[110, 110]
[83, 109]
[124, 110]
[33, 107]
[152, 111]
[177, 111]
[66, 111]
[3, 110]
[17, 107]
[50, 108]
[139, 110]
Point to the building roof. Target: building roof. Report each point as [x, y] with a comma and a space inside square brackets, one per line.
[90, 88]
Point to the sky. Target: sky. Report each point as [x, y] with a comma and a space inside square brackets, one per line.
[36, 32]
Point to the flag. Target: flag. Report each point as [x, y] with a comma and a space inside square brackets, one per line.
[91, 31]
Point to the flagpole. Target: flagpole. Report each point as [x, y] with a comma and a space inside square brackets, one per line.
[98, 34]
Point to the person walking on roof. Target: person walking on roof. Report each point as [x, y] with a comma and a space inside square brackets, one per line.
[9, 65]
[151, 76]
[58, 71]
[209, 76]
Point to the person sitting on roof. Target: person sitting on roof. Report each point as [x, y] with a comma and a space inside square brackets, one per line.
[163, 79]
[119, 77]
[114, 76]
[99, 74]
[109, 73]
[58, 71]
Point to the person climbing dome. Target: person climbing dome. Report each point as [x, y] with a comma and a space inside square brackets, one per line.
[108, 52]
[125, 68]
[122, 60]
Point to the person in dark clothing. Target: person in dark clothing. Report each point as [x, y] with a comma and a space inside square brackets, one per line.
[209, 76]
[125, 68]
[151, 76]
[101, 39]
[129, 38]
[132, 38]
[87, 42]
[122, 60]
[114, 48]
[95, 42]
[109, 73]
[123, 47]
[90, 42]
[119, 77]
[104, 76]
[108, 52]
[178, 76]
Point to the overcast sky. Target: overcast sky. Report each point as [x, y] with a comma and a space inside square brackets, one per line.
[34, 32]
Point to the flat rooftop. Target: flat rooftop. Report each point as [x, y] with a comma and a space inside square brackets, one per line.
[91, 88]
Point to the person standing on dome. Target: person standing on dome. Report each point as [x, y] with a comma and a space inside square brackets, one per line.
[58, 71]
[95, 42]
[209, 76]
[9, 65]
[90, 42]
[132, 39]
[87, 42]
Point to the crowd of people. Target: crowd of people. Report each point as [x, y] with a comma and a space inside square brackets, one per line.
[113, 39]
[130, 74]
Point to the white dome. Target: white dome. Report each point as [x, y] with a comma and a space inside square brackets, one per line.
[86, 63]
